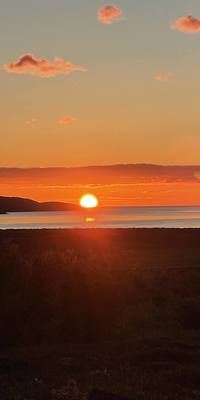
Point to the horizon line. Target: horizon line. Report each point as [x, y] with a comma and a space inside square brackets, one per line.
[142, 164]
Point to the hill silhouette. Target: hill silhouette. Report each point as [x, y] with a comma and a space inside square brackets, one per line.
[18, 204]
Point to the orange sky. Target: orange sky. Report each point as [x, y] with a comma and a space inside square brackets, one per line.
[157, 194]
[85, 83]
[114, 185]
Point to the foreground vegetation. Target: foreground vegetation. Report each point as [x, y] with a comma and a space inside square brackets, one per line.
[113, 309]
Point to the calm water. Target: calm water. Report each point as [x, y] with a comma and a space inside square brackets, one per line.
[118, 217]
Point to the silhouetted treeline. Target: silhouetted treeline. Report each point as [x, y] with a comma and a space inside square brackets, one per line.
[75, 285]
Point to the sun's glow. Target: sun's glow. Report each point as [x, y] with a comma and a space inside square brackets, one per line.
[88, 201]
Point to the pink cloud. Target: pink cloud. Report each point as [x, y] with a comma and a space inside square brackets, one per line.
[164, 77]
[188, 24]
[109, 14]
[66, 120]
[28, 64]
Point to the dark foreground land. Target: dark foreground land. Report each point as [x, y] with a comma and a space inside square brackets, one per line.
[117, 310]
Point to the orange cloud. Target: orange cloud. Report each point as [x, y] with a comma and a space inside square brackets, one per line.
[109, 14]
[30, 65]
[66, 120]
[188, 24]
[164, 77]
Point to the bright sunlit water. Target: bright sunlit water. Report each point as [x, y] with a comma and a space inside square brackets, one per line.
[116, 217]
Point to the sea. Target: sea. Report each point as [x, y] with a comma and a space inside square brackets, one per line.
[109, 217]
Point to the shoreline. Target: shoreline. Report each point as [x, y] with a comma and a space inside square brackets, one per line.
[97, 230]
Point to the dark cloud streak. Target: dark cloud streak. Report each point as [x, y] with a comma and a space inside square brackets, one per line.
[120, 174]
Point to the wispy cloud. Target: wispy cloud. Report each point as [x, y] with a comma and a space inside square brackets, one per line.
[28, 64]
[187, 24]
[129, 174]
[31, 121]
[66, 120]
[164, 77]
[109, 14]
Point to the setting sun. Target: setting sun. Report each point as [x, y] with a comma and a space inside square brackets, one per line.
[88, 201]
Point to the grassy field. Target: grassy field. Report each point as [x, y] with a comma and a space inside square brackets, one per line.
[117, 310]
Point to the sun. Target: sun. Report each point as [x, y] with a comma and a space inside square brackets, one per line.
[89, 201]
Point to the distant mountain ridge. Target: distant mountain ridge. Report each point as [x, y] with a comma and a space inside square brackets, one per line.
[18, 204]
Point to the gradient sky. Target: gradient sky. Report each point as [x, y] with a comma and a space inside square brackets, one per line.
[113, 185]
[120, 112]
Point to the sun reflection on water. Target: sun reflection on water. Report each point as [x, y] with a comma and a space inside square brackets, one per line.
[90, 219]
